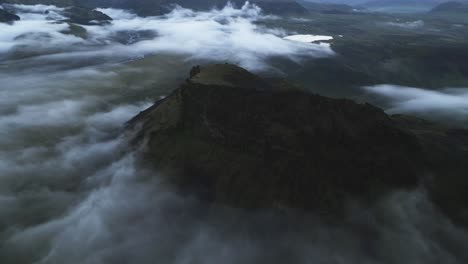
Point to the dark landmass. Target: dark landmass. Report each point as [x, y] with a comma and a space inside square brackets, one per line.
[445, 154]
[402, 4]
[451, 7]
[325, 8]
[76, 30]
[7, 17]
[234, 139]
[74, 14]
[424, 50]
[84, 16]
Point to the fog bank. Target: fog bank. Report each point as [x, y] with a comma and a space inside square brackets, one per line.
[72, 190]
[228, 34]
[448, 105]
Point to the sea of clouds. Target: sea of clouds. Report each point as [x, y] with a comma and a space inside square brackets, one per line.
[229, 34]
[71, 191]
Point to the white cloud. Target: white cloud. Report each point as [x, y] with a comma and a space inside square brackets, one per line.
[448, 104]
[228, 34]
[407, 25]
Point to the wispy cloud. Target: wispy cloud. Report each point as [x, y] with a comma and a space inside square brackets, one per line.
[228, 34]
[445, 104]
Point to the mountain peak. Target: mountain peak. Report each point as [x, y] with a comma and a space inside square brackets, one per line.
[233, 139]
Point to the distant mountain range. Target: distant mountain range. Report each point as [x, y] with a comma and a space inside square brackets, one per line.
[327, 8]
[383, 4]
[450, 7]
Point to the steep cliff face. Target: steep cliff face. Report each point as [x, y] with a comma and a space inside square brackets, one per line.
[229, 137]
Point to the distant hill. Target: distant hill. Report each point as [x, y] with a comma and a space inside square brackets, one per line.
[450, 7]
[402, 5]
[327, 8]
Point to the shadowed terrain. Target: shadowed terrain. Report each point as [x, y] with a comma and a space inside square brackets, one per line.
[235, 139]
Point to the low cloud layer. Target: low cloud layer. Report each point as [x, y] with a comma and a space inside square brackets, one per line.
[229, 34]
[410, 25]
[71, 191]
[449, 104]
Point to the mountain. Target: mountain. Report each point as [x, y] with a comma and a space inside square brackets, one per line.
[232, 138]
[73, 14]
[404, 6]
[327, 8]
[451, 7]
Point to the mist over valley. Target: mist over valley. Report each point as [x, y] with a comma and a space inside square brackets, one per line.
[240, 132]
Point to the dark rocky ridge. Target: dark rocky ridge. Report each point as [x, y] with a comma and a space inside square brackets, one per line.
[84, 16]
[227, 135]
[7, 17]
[233, 139]
[74, 14]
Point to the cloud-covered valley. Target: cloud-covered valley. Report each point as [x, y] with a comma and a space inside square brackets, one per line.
[71, 191]
[230, 34]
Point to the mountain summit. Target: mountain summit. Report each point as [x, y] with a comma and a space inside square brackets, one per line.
[232, 138]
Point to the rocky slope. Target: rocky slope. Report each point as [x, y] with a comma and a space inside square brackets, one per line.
[73, 14]
[233, 139]
[446, 161]
[230, 137]
[7, 17]
[84, 16]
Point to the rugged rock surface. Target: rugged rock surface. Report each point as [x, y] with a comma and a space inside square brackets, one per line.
[7, 17]
[76, 30]
[84, 16]
[232, 138]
